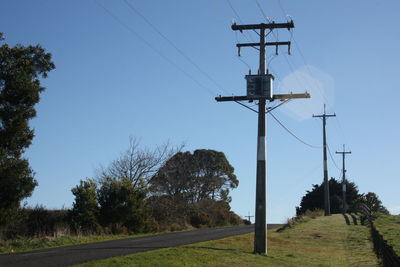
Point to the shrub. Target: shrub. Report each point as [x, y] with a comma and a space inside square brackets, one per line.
[85, 210]
[122, 204]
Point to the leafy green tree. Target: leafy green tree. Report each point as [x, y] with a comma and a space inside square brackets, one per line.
[314, 199]
[193, 188]
[21, 68]
[85, 209]
[205, 174]
[122, 203]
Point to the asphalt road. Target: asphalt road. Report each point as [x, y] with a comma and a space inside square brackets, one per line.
[65, 256]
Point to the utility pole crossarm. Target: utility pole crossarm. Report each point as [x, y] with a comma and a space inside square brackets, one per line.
[290, 96]
[266, 44]
[344, 152]
[324, 115]
[281, 97]
[269, 26]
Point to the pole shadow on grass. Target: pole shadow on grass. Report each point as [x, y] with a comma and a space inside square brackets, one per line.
[354, 218]
[346, 218]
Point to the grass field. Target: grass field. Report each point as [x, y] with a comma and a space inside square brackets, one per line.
[389, 227]
[324, 241]
[20, 245]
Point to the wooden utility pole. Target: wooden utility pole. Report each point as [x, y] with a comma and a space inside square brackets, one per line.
[344, 204]
[259, 88]
[327, 204]
[249, 216]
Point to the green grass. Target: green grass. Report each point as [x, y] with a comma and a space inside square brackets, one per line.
[389, 227]
[24, 244]
[20, 245]
[324, 241]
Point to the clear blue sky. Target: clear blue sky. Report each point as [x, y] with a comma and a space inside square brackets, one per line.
[110, 84]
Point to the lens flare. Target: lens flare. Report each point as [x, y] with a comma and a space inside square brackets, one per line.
[317, 83]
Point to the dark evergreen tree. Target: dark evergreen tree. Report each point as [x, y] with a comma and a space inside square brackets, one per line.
[122, 203]
[21, 68]
[85, 210]
[314, 199]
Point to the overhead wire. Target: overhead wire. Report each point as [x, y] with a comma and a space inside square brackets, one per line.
[290, 132]
[339, 126]
[282, 84]
[190, 60]
[301, 82]
[239, 57]
[262, 11]
[299, 181]
[277, 40]
[330, 154]
[132, 31]
[240, 20]
[287, 59]
[244, 62]
[281, 7]
[250, 108]
[320, 91]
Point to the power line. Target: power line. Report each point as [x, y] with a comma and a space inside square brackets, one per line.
[240, 20]
[341, 130]
[297, 47]
[330, 154]
[239, 56]
[277, 39]
[320, 91]
[244, 62]
[262, 95]
[290, 132]
[131, 7]
[281, 7]
[132, 31]
[286, 56]
[262, 11]
[299, 182]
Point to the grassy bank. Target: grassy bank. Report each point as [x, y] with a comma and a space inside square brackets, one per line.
[20, 245]
[324, 241]
[389, 227]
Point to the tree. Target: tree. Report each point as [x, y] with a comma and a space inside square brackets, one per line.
[21, 68]
[138, 164]
[373, 203]
[205, 174]
[85, 209]
[193, 189]
[122, 203]
[314, 199]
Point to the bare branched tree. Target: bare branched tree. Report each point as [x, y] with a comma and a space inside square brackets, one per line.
[137, 163]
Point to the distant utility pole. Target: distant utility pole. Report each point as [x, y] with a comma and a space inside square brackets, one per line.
[249, 216]
[259, 87]
[327, 205]
[344, 204]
